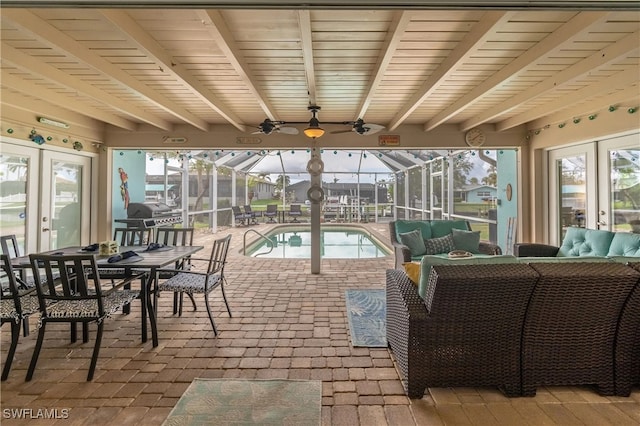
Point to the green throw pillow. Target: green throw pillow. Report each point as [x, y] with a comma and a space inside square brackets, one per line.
[466, 240]
[439, 245]
[414, 241]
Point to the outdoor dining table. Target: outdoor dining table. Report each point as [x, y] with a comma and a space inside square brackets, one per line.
[147, 261]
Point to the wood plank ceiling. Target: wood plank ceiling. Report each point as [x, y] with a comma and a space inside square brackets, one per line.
[161, 68]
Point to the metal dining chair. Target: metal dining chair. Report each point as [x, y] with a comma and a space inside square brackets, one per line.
[196, 282]
[15, 307]
[132, 236]
[176, 237]
[76, 297]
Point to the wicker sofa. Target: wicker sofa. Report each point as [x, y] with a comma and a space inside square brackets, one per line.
[468, 333]
[582, 242]
[517, 326]
[430, 229]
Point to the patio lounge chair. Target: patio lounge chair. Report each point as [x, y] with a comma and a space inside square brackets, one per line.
[272, 212]
[295, 212]
[240, 217]
[252, 214]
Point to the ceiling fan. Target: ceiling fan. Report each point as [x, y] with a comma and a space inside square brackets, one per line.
[360, 127]
[268, 126]
[314, 130]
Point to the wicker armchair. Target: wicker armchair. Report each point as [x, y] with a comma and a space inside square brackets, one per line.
[628, 343]
[403, 254]
[467, 331]
[570, 328]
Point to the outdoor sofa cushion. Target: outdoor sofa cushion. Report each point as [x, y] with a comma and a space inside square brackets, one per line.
[585, 242]
[415, 242]
[625, 244]
[466, 240]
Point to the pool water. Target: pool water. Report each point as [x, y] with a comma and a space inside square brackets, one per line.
[335, 243]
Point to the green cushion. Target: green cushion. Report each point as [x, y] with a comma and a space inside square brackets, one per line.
[585, 242]
[466, 240]
[403, 226]
[440, 228]
[442, 259]
[625, 244]
[413, 240]
[439, 245]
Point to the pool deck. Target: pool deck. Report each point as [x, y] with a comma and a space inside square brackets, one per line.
[287, 324]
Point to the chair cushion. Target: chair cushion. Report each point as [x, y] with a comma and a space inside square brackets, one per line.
[439, 245]
[88, 308]
[585, 242]
[466, 240]
[625, 244]
[188, 283]
[29, 305]
[413, 240]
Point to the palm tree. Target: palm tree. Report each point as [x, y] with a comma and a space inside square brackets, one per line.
[282, 181]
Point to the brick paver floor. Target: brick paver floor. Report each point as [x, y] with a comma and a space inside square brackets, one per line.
[287, 323]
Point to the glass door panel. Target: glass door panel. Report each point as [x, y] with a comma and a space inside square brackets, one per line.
[65, 199]
[19, 176]
[619, 184]
[572, 190]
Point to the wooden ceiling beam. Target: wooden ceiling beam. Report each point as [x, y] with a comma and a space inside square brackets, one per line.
[552, 43]
[599, 59]
[143, 41]
[476, 37]
[30, 23]
[304, 21]
[396, 30]
[221, 35]
[68, 102]
[47, 72]
[624, 80]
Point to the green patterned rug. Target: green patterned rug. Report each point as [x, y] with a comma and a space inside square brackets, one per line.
[367, 314]
[248, 402]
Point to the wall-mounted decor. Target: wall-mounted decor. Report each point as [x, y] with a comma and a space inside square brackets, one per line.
[124, 187]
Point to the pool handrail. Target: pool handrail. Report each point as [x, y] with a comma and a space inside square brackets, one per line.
[244, 242]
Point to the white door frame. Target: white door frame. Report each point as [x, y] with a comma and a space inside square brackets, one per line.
[32, 213]
[591, 204]
[39, 190]
[604, 176]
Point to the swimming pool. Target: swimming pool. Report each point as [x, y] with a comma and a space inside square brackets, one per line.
[336, 242]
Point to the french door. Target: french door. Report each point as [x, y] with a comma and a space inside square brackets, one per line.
[594, 185]
[45, 199]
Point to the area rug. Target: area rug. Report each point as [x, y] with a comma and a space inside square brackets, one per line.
[367, 311]
[248, 402]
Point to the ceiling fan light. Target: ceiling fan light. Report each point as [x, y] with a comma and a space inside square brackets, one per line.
[313, 132]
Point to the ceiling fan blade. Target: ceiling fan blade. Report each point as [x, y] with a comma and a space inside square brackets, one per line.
[372, 128]
[341, 131]
[288, 130]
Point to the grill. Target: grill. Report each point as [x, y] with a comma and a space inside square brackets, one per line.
[150, 215]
